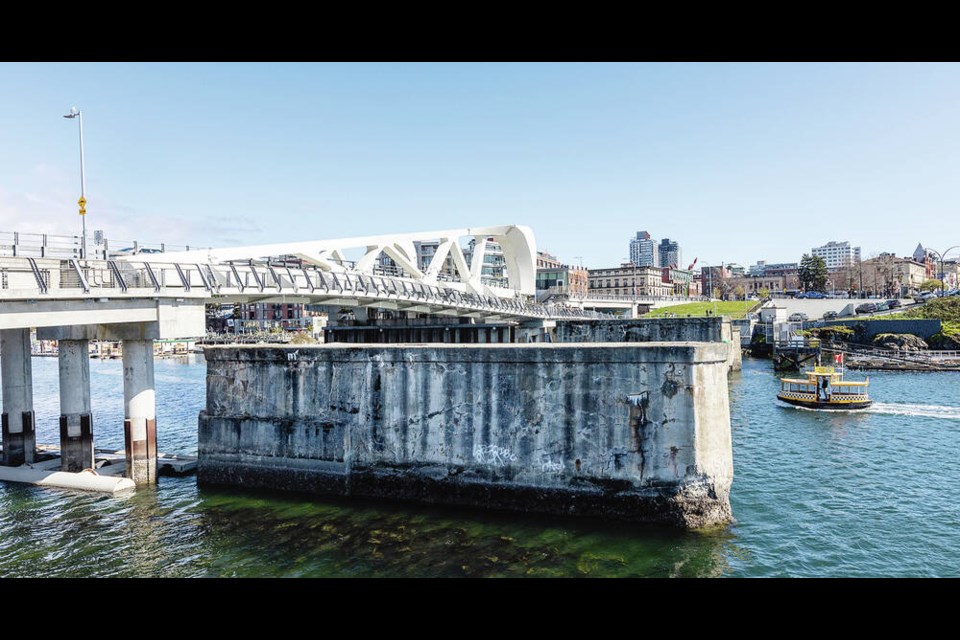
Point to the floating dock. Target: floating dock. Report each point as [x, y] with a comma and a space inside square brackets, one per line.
[107, 475]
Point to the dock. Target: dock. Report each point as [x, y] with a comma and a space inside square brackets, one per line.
[106, 476]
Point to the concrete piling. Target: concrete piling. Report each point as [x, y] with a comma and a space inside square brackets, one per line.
[19, 438]
[76, 419]
[140, 417]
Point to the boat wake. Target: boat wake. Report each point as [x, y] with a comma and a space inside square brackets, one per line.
[915, 410]
[787, 405]
[919, 410]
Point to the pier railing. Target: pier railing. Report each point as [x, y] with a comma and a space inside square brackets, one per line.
[254, 281]
[895, 354]
[47, 245]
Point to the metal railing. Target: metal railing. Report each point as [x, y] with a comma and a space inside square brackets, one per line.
[602, 297]
[895, 354]
[48, 245]
[132, 278]
[38, 245]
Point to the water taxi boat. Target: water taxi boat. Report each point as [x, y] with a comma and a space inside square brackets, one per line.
[825, 388]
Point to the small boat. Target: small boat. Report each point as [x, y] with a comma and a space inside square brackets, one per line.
[825, 388]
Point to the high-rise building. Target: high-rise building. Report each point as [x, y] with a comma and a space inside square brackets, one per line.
[669, 251]
[643, 250]
[838, 254]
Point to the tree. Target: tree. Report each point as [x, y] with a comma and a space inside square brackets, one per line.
[931, 285]
[739, 292]
[764, 293]
[813, 273]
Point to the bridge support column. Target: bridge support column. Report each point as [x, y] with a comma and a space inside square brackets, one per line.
[140, 411]
[76, 420]
[16, 372]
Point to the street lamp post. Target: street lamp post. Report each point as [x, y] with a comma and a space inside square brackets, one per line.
[76, 113]
[941, 255]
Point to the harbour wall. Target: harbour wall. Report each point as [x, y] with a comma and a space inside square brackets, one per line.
[701, 329]
[868, 329]
[637, 432]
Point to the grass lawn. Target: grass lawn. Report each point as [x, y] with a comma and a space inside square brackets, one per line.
[733, 308]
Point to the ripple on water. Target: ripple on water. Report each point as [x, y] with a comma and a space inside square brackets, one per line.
[859, 494]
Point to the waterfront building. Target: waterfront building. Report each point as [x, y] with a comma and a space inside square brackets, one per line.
[713, 279]
[261, 316]
[762, 268]
[426, 249]
[932, 261]
[681, 281]
[753, 284]
[889, 275]
[644, 251]
[494, 269]
[627, 280]
[837, 254]
[735, 269]
[669, 253]
[554, 277]
[547, 261]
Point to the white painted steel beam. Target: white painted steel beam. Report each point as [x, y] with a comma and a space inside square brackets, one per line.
[517, 241]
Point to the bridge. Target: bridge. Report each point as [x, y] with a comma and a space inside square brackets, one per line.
[137, 295]
[39, 290]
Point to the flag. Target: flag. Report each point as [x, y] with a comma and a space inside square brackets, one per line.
[838, 358]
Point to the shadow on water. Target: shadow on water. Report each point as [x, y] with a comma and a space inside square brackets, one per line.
[265, 533]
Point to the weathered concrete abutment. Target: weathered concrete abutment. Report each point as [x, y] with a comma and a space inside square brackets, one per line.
[694, 329]
[638, 432]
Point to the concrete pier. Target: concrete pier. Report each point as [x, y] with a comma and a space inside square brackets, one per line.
[76, 419]
[637, 432]
[16, 373]
[713, 329]
[140, 411]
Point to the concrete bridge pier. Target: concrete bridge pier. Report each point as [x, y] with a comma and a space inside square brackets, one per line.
[16, 372]
[140, 411]
[76, 419]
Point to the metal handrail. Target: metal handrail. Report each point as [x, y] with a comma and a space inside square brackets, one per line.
[225, 280]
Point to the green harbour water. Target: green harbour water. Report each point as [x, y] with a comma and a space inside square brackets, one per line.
[871, 493]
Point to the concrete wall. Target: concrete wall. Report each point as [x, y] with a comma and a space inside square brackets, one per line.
[870, 328]
[643, 330]
[638, 432]
[715, 329]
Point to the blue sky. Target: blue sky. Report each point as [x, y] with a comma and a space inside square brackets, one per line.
[738, 162]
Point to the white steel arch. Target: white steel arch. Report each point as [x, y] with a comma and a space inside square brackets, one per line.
[517, 241]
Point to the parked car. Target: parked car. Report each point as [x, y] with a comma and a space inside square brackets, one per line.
[867, 307]
[882, 306]
[927, 296]
[815, 295]
[798, 317]
[830, 315]
[892, 304]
